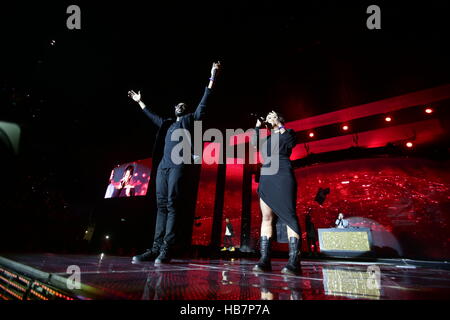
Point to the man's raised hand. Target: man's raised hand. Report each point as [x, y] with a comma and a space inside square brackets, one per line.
[135, 96]
[215, 67]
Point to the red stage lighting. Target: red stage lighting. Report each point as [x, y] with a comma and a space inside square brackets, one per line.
[388, 119]
[345, 127]
[428, 110]
[311, 134]
[409, 144]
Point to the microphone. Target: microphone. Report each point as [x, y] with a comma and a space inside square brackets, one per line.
[260, 118]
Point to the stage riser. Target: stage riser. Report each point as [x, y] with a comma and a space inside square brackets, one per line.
[15, 286]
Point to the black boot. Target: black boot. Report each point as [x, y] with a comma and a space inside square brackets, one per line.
[148, 255]
[293, 266]
[164, 255]
[264, 263]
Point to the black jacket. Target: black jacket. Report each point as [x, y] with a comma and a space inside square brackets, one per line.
[230, 227]
[164, 123]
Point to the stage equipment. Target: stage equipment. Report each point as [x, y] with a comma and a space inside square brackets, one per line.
[349, 242]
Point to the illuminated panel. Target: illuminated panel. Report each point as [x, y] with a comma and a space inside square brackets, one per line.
[16, 287]
[232, 207]
[350, 283]
[206, 195]
[344, 240]
[204, 211]
[40, 291]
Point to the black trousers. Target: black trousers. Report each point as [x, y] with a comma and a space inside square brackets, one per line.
[228, 241]
[168, 191]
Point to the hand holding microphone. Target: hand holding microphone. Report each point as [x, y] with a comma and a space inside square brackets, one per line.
[259, 120]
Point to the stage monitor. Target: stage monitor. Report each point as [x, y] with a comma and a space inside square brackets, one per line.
[129, 179]
[346, 242]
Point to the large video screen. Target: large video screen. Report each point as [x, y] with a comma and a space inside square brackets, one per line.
[129, 179]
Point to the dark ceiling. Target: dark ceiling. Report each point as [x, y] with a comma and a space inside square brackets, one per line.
[302, 58]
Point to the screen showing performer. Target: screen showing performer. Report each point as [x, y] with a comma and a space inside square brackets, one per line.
[129, 179]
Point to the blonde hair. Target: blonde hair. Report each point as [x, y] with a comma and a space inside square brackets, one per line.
[280, 117]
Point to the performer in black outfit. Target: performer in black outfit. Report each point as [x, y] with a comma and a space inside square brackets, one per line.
[228, 237]
[278, 193]
[169, 172]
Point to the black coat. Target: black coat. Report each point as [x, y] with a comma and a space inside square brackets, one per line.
[230, 227]
[164, 124]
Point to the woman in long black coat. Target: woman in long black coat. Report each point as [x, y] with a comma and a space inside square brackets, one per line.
[277, 191]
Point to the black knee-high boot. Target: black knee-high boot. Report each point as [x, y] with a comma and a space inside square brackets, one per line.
[293, 266]
[264, 263]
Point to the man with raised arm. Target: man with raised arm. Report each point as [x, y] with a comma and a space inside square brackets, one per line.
[169, 169]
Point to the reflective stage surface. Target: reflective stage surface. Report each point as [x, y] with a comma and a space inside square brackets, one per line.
[118, 278]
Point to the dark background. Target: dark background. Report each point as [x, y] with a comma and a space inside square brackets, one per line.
[300, 57]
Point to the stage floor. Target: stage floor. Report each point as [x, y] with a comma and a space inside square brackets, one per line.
[110, 277]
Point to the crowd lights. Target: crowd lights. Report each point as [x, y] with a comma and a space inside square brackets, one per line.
[345, 127]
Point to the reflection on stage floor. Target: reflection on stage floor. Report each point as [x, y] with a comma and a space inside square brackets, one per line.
[117, 278]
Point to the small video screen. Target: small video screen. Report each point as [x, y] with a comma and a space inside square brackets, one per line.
[129, 179]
